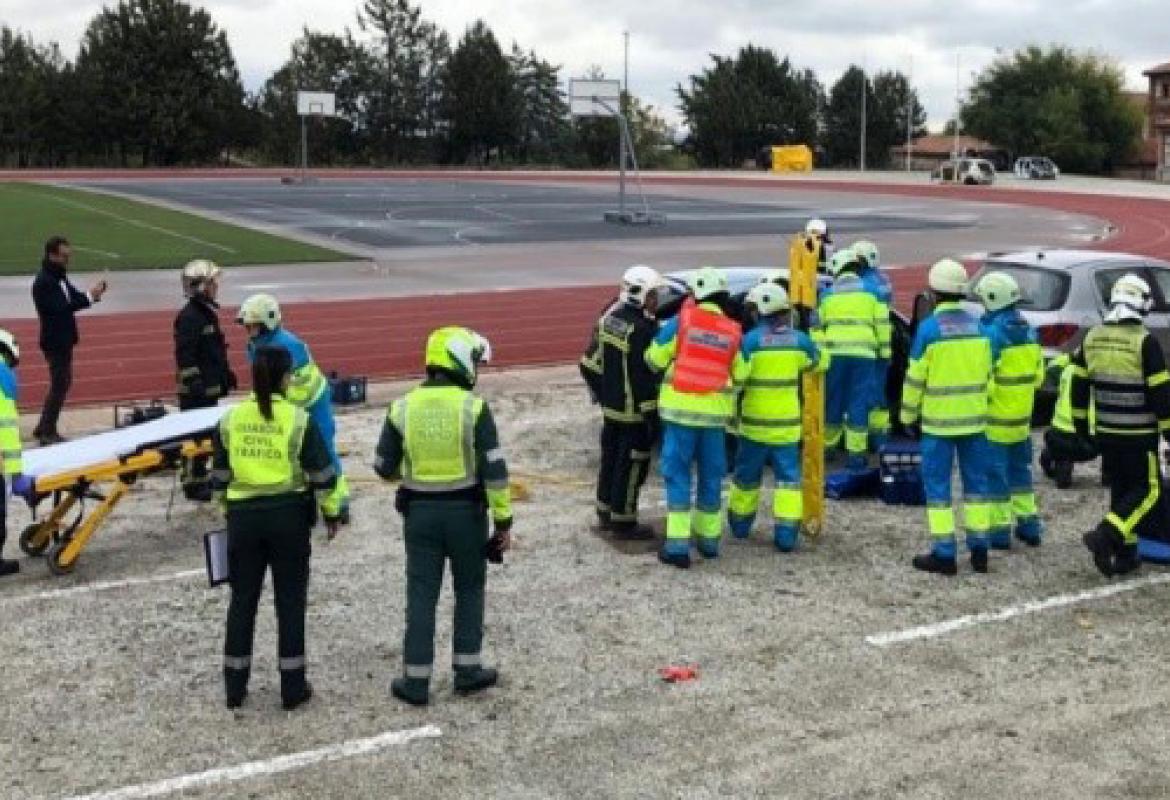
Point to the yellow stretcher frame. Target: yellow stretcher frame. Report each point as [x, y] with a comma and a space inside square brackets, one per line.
[61, 542]
[802, 282]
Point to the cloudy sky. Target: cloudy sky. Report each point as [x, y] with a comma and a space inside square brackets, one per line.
[671, 39]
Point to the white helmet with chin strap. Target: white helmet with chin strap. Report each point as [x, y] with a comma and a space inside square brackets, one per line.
[1130, 299]
[9, 345]
[816, 227]
[637, 283]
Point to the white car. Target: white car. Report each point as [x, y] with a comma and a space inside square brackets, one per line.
[1036, 168]
[967, 171]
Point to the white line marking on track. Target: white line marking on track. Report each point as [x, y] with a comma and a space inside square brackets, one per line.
[272, 766]
[945, 627]
[101, 586]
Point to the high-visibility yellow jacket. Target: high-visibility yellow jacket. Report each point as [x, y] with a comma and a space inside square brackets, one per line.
[852, 321]
[10, 448]
[1120, 367]
[441, 440]
[1018, 372]
[776, 356]
[260, 462]
[706, 410]
[947, 381]
[1062, 416]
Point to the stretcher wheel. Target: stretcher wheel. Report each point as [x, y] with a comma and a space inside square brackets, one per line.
[26, 541]
[54, 558]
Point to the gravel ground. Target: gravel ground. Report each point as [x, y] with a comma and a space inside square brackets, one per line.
[118, 687]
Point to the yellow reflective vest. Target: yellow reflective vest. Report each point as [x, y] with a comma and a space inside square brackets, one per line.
[1018, 372]
[950, 369]
[853, 323]
[10, 448]
[777, 356]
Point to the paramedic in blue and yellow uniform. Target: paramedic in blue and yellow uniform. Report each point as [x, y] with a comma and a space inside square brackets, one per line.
[11, 454]
[946, 395]
[309, 389]
[770, 417]
[699, 352]
[876, 282]
[440, 440]
[854, 327]
[269, 460]
[1017, 374]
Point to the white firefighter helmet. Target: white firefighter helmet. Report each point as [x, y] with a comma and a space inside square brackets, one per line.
[817, 227]
[707, 281]
[1130, 298]
[948, 277]
[637, 282]
[777, 277]
[841, 259]
[997, 290]
[768, 298]
[196, 274]
[9, 344]
[260, 309]
[868, 251]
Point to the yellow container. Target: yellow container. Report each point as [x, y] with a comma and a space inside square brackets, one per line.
[792, 158]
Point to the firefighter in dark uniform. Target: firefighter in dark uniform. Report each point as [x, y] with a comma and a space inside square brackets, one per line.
[1122, 369]
[201, 359]
[614, 367]
[440, 440]
[269, 461]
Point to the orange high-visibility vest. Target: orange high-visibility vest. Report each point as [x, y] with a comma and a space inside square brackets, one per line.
[707, 344]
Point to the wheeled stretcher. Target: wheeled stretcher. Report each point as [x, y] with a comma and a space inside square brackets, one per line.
[102, 468]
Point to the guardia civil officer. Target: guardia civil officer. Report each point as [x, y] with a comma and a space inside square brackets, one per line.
[202, 372]
[269, 460]
[616, 372]
[441, 440]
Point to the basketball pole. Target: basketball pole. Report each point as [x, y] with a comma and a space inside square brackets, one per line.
[304, 149]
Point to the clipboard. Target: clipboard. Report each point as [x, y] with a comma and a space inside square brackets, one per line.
[215, 553]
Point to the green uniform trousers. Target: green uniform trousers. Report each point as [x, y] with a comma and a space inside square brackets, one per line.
[437, 531]
[259, 538]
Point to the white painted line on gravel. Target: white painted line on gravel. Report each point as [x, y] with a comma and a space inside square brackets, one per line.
[100, 586]
[272, 766]
[945, 627]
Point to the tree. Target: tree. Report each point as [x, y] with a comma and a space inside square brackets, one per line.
[889, 98]
[481, 102]
[1055, 102]
[324, 63]
[161, 82]
[406, 68]
[544, 134]
[742, 104]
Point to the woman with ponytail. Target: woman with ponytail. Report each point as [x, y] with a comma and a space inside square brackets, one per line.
[270, 460]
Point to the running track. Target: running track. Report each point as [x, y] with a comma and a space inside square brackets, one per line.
[129, 356]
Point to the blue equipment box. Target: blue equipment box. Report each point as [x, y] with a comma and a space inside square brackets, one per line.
[843, 484]
[347, 391]
[900, 464]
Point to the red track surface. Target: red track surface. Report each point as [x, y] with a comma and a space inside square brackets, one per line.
[129, 356]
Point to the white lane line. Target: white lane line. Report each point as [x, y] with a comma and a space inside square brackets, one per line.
[139, 223]
[272, 766]
[100, 586]
[1030, 607]
[95, 250]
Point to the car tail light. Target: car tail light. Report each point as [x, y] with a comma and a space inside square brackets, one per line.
[1057, 335]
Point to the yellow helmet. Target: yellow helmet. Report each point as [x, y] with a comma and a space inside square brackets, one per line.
[197, 273]
[459, 351]
[260, 309]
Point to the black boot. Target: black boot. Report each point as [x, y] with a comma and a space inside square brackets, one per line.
[414, 691]
[8, 567]
[1046, 464]
[932, 563]
[235, 686]
[1062, 474]
[306, 694]
[979, 561]
[632, 532]
[234, 701]
[469, 680]
[1100, 544]
[680, 561]
[1127, 560]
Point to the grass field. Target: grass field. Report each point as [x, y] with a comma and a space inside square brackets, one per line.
[113, 233]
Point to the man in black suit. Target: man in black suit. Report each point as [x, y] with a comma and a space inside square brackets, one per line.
[57, 301]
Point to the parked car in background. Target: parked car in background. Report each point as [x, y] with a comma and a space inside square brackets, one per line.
[1036, 168]
[1066, 292]
[967, 171]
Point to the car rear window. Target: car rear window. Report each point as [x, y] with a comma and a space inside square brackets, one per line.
[1040, 289]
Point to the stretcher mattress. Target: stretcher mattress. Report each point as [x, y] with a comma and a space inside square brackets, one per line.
[120, 443]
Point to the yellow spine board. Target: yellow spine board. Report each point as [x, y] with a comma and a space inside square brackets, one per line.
[802, 266]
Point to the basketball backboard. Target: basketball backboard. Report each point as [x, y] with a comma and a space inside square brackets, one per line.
[316, 104]
[589, 98]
